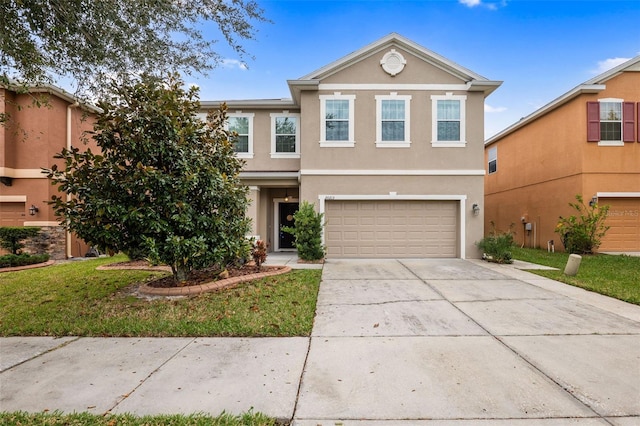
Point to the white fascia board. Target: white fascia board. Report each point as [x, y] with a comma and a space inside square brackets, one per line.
[485, 86]
[13, 198]
[618, 194]
[378, 172]
[575, 92]
[22, 173]
[269, 175]
[53, 90]
[394, 87]
[250, 104]
[630, 65]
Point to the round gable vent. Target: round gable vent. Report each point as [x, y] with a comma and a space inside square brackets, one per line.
[393, 62]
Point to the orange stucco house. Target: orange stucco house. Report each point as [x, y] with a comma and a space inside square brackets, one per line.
[29, 139]
[585, 142]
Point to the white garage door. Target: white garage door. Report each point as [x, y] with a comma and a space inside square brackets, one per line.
[369, 229]
[624, 222]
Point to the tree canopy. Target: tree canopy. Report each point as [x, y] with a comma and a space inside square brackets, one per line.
[92, 41]
[165, 184]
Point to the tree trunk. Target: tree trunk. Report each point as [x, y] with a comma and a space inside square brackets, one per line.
[180, 274]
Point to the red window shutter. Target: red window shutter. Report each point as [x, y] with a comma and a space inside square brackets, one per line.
[593, 121]
[628, 122]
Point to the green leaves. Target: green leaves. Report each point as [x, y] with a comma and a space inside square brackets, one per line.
[307, 231]
[165, 181]
[583, 233]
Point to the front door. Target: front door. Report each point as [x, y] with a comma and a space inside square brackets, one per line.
[285, 240]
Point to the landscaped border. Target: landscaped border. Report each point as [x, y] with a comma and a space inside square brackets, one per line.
[32, 266]
[191, 290]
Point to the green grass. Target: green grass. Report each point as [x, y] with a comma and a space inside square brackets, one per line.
[614, 276]
[74, 299]
[82, 419]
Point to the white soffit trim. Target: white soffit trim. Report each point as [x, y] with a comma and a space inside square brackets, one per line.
[22, 173]
[13, 198]
[269, 175]
[328, 172]
[618, 194]
[425, 87]
[41, 223]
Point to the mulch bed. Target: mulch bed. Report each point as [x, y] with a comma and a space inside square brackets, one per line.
[209, 275]
[196, 278]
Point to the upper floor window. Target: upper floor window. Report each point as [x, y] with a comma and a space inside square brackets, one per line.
[337, 120]
[285, 135]
[448, 120]
[392, 124]
[611, 122]
[242, 125]
[493, 159]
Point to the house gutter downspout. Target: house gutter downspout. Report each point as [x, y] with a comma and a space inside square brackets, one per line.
[69, 113]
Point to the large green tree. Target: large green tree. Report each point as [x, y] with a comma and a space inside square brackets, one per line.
[92, 41]
[165, 182]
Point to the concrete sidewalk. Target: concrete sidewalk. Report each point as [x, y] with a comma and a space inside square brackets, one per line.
[395, 342]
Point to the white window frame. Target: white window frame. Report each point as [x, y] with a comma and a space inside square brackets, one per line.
[406, 143]
[324, 143]
[434, 121]
[616, 142]
[492, 157]
[250, 116]
[274, 117]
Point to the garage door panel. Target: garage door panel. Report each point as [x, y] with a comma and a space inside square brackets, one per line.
[624, 222]
[403, 228]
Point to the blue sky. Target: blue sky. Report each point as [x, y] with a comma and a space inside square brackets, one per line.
[540, 49]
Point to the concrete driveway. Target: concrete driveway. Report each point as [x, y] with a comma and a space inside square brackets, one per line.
[454, 342]
[395, 342]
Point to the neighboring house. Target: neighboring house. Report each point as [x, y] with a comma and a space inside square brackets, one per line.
[386, 142]
[584, 142]
[29, 139]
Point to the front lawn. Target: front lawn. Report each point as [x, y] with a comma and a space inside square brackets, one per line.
[86, 419]
[614, 276]
[74, 299]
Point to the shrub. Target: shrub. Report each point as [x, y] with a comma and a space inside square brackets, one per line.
[259, 252]
[11, 237]
[307, 231]
[497, 246]
[583, 233]
[10, 260]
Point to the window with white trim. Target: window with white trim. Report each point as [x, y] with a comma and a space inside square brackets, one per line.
[448, 120]
[493, 160]
[337, 120]
[393, 124]
[241, 126]
[611, 122]
[285, 135]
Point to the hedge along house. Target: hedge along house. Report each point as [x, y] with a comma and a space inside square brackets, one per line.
[585, 142]
[387, 142]
[29, 139]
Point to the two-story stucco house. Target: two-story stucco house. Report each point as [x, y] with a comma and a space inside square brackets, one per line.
[29, 139]
[585, 142]
[387, 142]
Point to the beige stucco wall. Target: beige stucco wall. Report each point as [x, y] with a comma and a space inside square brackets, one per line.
[312, 187]
[543, 165]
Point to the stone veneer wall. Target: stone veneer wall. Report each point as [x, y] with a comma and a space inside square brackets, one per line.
[51, 239]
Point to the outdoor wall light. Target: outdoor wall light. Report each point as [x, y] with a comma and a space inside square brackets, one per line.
[476, 209]
[594, 201]
[33, 210]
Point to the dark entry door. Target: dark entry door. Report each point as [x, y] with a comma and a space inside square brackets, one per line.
[286, 219]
